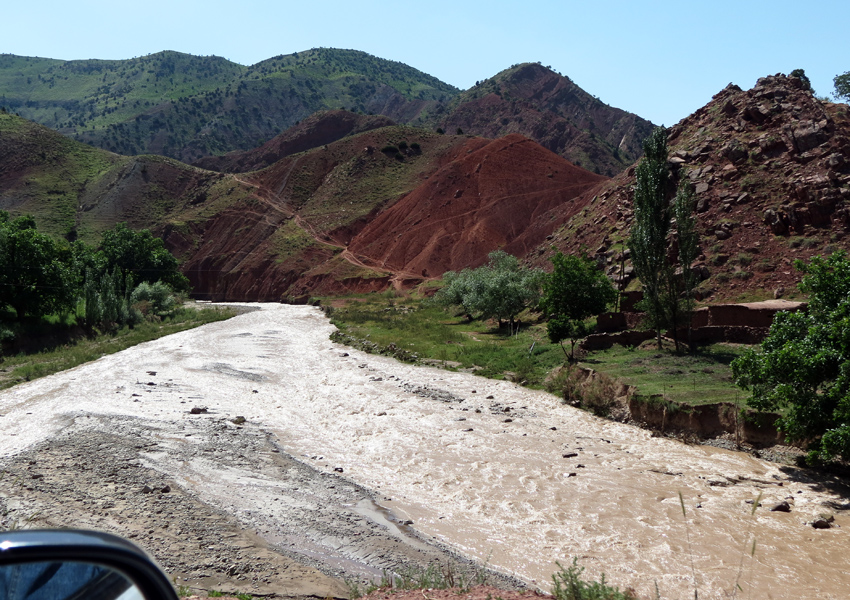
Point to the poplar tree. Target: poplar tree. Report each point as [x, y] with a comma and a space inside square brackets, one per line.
[651, 224]
[667, 292]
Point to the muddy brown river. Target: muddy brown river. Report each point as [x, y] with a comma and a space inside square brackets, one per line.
[502, 474]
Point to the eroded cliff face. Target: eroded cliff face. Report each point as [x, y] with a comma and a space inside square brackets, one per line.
[771, 170]
[485, 200]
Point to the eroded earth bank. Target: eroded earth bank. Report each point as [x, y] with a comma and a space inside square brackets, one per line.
[348, 464]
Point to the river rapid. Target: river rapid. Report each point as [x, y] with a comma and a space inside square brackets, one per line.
[503, 474]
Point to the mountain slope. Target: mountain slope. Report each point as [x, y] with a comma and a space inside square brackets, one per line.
[485, 200]
[390, 206]
[316, 130]
[77, 191]
[190, 107]
[538, 103]
[771, 171]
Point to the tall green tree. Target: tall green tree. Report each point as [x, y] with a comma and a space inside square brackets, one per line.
[842, 86]
[668, 290]
[651, 224]
[680, 300]
[142, 256]
[802, 367]
[35, 270]
[575, 290]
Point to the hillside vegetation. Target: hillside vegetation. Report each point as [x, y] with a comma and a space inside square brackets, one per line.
[76, 191]
[187, 106]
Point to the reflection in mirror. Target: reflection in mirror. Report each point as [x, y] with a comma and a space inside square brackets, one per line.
[66, 580]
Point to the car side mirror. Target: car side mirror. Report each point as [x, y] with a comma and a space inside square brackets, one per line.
[66, 564]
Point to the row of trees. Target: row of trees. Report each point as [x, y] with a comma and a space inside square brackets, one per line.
[40, 275]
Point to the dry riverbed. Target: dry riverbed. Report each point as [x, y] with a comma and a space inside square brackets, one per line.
[348, 464]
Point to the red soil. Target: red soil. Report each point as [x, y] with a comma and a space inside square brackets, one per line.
[485, 200]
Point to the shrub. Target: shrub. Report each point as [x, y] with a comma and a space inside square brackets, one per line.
[389, 149]
[765, 266]
[568, 585]
[718, 260]
[596, 393]
[153, 298]
[744, 259]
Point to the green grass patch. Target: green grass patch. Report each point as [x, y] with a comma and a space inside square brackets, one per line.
[289, 240]
[219, 594]
[703, 377]
[432, 577]
[448, 340]
[64, 351]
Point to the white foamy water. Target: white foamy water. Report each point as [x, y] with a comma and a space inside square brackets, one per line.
[495, 490]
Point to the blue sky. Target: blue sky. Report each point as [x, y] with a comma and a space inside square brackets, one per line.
[659, 59]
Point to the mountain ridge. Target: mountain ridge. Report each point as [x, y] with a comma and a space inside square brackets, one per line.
[543, 105]
[190, 107]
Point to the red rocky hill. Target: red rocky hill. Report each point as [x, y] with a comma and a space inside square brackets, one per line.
[485, 200]
[771, 170]
[361, 214]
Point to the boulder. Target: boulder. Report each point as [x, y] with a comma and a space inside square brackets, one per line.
[810, 135]
[734, 151]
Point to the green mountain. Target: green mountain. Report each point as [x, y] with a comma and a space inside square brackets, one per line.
[191, 107]
[187, 107]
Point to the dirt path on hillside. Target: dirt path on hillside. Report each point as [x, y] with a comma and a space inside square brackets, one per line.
[347, 464]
